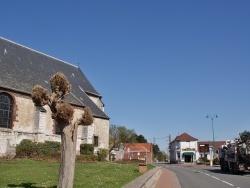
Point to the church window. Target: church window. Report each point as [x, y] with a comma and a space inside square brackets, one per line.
[6, 108]
[96, 141]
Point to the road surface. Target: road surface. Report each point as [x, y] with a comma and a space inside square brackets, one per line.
[200, 176]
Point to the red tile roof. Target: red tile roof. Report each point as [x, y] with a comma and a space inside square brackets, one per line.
[185, 137]
[210, 143]
[139, 147]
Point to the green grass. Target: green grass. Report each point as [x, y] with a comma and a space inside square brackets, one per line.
[34, 174]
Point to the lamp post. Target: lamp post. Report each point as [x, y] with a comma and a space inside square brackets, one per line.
[212, 118]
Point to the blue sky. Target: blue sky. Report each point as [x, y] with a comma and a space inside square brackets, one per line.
[161, 66]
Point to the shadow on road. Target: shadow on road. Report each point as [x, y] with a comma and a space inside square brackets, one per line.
[219, 171]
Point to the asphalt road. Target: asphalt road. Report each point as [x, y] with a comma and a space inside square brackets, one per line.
[197, 176]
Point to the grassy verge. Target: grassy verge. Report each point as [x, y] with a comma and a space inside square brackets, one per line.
[34, 174]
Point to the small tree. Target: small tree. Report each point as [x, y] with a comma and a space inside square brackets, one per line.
[63, 114]
[245, 136]
[156, 150]
[120, 134]
[141, 139]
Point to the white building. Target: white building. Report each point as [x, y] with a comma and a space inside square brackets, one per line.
[183, 149]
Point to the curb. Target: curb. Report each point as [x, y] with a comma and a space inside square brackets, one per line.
[148, 179]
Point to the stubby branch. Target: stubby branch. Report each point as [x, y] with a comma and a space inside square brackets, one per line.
[87, 117]
[64, 112]
[60, 86]
[40, 96]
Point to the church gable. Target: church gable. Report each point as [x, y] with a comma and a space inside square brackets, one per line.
[21, 68]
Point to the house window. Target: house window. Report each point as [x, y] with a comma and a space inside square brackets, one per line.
[6, 108]
[96, 141]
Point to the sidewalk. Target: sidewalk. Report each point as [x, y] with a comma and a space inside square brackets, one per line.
[167, 179]
[155, 178]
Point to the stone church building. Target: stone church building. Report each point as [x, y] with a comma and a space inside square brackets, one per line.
[20, 69]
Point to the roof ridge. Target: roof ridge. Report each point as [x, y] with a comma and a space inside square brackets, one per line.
[185, 137]
[38, 52]
[96, 92]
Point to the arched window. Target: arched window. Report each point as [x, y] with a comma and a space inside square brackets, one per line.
[6, 104]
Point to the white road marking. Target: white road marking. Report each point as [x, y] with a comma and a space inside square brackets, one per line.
[215, 177]
[207, 175]
[227, 183]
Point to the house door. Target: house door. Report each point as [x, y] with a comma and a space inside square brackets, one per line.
[188, 158]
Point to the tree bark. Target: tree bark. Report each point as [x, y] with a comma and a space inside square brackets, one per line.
[68, 154]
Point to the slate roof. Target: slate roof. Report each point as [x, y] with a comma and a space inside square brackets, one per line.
[21, 68]
[147, 147]
[185, 137]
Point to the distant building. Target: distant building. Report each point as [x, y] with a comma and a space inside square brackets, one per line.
[183, 149]
[20, 69]
[134, 151]
[205, 146]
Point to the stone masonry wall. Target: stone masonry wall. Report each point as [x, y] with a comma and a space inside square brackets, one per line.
[30, 123]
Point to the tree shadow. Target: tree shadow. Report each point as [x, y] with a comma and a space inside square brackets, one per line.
[28, 185]
[217, 171]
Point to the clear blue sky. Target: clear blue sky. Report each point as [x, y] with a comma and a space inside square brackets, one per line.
[161, 66]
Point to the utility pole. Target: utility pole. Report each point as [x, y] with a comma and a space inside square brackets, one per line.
[213, 154]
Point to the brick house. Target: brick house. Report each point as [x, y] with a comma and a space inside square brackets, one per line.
[20, 69]
[204, 146]
[134, 151]
[139, 151]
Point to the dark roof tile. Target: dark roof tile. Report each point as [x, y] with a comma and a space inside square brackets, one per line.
[21, 68]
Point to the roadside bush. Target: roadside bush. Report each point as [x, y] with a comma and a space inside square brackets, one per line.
[87, 149]
[216, 161]
[203, 160]
[50, 148]
[30, 149]
[26, 148]
[86, 158]
[102, 154]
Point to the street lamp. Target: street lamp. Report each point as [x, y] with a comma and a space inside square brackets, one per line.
[212, 118]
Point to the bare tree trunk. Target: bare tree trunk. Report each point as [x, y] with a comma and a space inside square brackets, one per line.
[68, 154]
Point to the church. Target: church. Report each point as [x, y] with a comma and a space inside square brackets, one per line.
[21, 68]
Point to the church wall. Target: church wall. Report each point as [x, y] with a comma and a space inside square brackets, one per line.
[102, 131]
[30, 123]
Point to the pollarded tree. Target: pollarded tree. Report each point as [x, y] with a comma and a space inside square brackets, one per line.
[63, 113]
